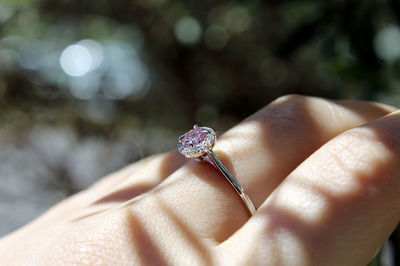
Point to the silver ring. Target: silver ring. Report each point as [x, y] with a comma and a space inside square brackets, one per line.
[197, 143]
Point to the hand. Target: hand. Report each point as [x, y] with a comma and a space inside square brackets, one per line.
[324, 175]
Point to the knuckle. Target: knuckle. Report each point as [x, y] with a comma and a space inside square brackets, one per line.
[285, 108]
[289, 112]
[289, 98]
[303, 112]
[361, 148]
[352, 146]
[380, 135]
[358, 161]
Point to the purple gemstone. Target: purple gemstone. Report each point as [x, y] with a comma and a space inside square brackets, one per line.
[196, 142]
[194, 137]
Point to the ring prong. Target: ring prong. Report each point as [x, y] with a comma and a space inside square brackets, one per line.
[195, 125]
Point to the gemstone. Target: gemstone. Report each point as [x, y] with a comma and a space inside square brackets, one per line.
[196, 142]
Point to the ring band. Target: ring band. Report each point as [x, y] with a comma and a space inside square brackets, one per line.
[198, 143]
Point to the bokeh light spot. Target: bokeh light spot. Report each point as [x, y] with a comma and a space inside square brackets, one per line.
[216, 37]
[6, 11]
[127, 74]
[237, 19]
[387, 42]
[95, 50]
[76, 60]
[188, 30]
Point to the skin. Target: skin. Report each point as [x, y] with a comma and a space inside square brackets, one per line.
[323, 174]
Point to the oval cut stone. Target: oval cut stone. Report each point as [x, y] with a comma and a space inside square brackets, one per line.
[196, 142]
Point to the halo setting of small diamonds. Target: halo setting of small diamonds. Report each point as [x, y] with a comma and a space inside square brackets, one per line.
[196, 142]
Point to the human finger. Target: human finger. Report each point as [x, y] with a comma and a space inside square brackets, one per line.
[260, 152]
[122, 185]
[336, 208]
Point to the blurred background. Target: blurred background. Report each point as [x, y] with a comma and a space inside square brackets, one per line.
[87, 87]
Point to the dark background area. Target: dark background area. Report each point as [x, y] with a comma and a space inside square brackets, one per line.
[87, 87]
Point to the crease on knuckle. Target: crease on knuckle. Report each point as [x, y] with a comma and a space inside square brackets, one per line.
[285, 112]
[360, 153]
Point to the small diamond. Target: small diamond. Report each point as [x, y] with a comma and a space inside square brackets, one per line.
[196, 142]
